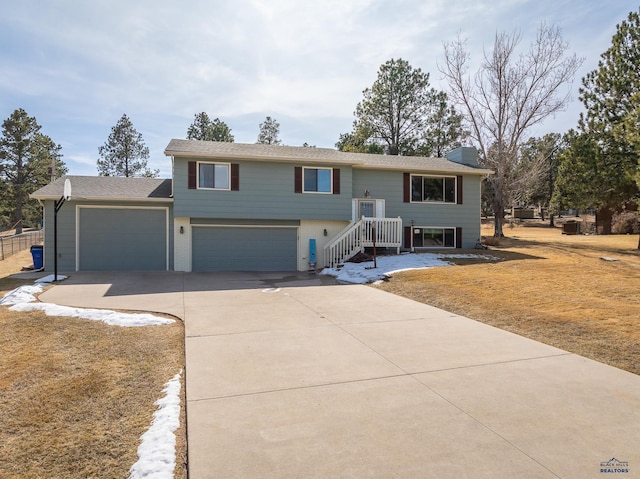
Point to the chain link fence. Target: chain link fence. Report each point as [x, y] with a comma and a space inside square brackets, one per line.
[10, 245]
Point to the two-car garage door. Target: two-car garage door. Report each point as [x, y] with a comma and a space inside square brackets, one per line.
[244, 248]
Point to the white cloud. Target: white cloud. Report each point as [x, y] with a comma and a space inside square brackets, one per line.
[78, 66]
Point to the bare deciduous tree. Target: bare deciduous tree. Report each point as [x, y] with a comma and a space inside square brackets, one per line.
[509, 94]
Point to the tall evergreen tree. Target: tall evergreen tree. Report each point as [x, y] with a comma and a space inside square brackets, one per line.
[443, 130]
[396, 107]
[269, 132]
[603, 161]
[124, 153]
[203, 128]
[28, 159]
[401, 115]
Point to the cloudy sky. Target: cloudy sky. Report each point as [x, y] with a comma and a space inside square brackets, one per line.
[78, 65]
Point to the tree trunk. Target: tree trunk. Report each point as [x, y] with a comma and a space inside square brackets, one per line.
[498, 218]
[18, 213]
[603, 220]
[497, 204]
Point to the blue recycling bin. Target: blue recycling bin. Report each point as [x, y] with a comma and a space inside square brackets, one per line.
[37, 253]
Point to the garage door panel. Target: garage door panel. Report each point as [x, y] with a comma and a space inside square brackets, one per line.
[244, 249]
[122, 239]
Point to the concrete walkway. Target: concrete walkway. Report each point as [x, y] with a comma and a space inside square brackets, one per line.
[287, 377]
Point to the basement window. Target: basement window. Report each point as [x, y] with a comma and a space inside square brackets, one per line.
[434, 237]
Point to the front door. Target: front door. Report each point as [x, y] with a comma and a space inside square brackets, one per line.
[366, 208]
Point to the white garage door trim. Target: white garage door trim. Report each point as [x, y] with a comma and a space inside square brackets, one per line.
[113, 207]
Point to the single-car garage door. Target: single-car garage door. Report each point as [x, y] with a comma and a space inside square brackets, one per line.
[244, 248]
[122, 239]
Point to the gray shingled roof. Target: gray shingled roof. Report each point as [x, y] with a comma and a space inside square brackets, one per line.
[112, 188]
[260, 152]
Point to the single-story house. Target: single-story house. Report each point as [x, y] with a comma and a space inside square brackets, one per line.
[254, 207]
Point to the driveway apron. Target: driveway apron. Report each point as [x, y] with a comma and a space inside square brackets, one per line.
[287, 377]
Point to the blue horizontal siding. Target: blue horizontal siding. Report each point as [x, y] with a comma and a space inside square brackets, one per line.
[388, 185]
[266, 192]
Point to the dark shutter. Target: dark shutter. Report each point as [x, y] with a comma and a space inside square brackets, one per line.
[458, 237]
[297, 187]
[192, 175]
[407, 236]
[336, 181]
[459, 190]
[407, 187]
[235, 177]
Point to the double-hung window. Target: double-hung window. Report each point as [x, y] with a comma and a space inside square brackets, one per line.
[427, 189]
[214, 176]
[317, 180]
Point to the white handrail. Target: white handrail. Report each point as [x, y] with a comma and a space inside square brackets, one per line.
[344, 245]
[358, 236]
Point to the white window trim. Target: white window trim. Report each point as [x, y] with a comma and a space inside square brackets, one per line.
[330, 192]
[455, 191]
[413, 228]
[228, 165]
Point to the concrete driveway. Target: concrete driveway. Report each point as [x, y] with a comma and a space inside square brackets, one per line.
[288, 377]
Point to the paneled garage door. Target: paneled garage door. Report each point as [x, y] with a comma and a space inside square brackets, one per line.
[122, 239]
[244, 248]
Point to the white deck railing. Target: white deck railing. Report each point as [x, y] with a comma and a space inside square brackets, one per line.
[358, 236]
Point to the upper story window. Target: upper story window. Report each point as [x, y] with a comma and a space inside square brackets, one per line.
[317, 180]
[214, 176]
[426, 189]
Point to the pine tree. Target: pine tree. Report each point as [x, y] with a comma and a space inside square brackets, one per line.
[603, 160]
[203, 128]
[269, 131]
[443, 128]
[396, 107]
[401, 115]
[26, 159]
[124, 153]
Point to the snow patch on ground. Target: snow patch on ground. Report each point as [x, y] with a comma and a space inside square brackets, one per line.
[23, 294]
[112, 318]
[50, 278]
[157, 450]
[23, 298]
[361, 273]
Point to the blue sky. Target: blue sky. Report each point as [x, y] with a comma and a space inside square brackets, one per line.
[77, 66]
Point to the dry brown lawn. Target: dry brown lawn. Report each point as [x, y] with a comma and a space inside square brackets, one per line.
[547, 286]
[76, 395]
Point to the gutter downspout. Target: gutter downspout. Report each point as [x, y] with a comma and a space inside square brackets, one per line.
[172, 173]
